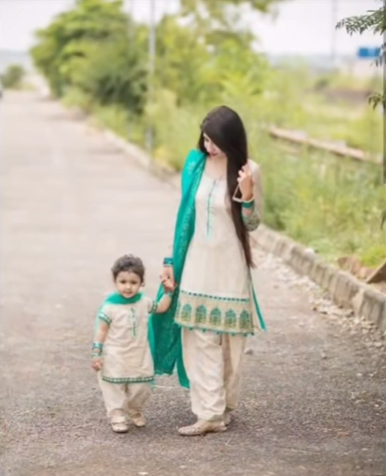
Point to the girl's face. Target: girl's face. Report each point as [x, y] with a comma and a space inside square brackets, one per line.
[128, 284]
[212, 148]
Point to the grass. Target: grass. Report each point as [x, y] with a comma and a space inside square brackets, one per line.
[357, 126]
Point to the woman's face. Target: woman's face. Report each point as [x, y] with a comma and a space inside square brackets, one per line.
[212, 148]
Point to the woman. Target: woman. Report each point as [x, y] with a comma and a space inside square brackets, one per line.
[215, 307]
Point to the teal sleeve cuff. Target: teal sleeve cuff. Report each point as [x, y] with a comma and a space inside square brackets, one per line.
[250, 204]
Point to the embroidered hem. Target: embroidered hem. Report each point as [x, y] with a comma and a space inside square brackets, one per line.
[128, 379]
[216, 331]
[218, 314]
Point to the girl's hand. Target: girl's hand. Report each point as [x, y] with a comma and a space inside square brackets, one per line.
[167, 274]
[96, 363]
[168, 285]
[245, 181]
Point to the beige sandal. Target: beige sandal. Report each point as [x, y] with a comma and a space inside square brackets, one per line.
[138, 419]
[202, 427]
[119, 425]
[227, 417]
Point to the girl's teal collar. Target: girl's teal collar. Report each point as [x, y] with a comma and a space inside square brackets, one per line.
[117, 298]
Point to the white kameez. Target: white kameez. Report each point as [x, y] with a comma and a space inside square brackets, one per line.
[215, 307]
[215, 289]
[127, 371]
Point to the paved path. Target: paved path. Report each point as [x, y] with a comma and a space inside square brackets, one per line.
[313, 397]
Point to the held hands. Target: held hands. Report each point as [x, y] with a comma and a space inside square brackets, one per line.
[167, 277]
[96, 362]
[245, 181]
[167, 273]
[168, 284]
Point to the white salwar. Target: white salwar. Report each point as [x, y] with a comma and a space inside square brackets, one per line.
[213, 365]
[215, 306]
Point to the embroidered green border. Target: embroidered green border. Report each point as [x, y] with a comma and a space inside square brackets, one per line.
[252, 221]
[129, 379]
[218, 314]
[104, 318]
[209, 296]
[208, 209]
[154, 307]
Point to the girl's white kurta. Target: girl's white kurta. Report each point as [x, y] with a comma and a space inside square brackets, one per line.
[215, 288]
[126, 351]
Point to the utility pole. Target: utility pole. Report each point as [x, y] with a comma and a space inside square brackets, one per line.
[130, 38]
[152, 53]
[334, 11]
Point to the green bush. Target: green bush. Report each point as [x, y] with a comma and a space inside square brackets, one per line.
[13, 77]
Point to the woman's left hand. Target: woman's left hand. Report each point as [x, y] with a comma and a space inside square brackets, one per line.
[245, 181]
[167, 274]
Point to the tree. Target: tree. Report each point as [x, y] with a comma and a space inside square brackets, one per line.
[179, 60]
[87, 47]
[112, 73]
[216, 8]
[13, 76]
[375, 22]
[208, 51]
[221, 19]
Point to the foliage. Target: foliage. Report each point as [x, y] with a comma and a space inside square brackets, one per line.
[221, 18]
[181, 61]
[375, 22]
[86, 47]
[13, 77]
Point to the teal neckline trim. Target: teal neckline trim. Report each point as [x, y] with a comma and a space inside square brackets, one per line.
[208, 211]
[117, 298]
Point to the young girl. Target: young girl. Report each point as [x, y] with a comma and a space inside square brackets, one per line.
[120, 352]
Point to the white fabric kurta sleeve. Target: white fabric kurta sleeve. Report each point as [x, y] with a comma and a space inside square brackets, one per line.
[105, 315]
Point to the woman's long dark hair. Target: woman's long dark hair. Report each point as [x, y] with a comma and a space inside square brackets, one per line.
[225, 129]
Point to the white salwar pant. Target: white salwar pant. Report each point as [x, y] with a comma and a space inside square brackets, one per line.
[124, 398]
[213, 365]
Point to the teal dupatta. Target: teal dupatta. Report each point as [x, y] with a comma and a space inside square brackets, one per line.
[164, 333]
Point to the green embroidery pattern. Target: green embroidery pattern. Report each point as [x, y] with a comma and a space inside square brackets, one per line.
[213, 313]
[253, 220]
[104, 318]
[129, 379]
[154, 307]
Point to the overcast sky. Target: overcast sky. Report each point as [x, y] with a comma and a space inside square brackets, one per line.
[303, 26]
